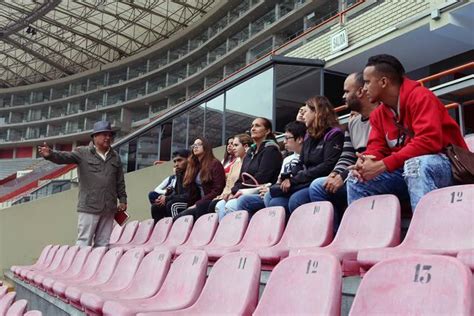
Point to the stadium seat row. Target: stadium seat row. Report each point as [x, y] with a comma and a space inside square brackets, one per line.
[8, 306]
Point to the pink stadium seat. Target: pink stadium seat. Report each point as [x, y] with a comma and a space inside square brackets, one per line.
[181, 288]
[121, 277]
[17, 308]
[467, 257]
[33, 313]
[264, 230]
[470, 142]
[370, 222]
[63, 266]
[202, 233]
[3, 290]
[93, 273]
[73, 270]
[147, 281]
[127, 234]
[160, 233]
[116, 233]
[52, 267]
[178, 235]
[310, 225]
[231, 288]
[415, 285]
[442, 224]
[6, 301]
[230, 230]
[22, 271]
[141, 236]
[41, 259]
[309, 284]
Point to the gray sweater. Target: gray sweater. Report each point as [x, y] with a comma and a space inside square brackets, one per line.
[101, 182]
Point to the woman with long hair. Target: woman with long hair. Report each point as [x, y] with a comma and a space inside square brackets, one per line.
[229, 156]
[319, 155]
[263, 161]
[240, 145]
[207, 175]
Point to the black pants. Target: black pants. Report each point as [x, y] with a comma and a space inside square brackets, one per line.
[198, 211]
[172, 208]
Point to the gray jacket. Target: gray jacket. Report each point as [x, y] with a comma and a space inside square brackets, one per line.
[101, 182]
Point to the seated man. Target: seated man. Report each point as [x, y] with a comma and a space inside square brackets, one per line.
[176, 199]
[410, 130]
[333, 187]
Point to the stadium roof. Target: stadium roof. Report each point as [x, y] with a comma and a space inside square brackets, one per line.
[41, 40]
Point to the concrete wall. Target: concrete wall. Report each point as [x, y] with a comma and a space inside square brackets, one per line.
[26, 228]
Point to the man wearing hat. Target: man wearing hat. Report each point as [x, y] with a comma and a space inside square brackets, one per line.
[101, 184]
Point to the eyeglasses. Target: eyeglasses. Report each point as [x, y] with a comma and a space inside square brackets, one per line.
[195, 146]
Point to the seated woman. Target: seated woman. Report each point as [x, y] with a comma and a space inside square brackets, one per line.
[319, 155]
[241, 143]
[294, 137]
[263, 161]
[207, 173]
[229, 157]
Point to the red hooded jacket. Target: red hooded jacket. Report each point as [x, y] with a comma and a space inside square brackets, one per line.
[423, 127]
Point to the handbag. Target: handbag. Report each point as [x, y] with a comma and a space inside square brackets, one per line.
[253, 188]
[462, 164]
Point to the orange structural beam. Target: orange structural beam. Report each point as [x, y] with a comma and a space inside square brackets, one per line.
[447, 72]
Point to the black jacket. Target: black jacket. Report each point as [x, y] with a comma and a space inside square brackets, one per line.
[180, 193]
[318, 157]
[264, 165]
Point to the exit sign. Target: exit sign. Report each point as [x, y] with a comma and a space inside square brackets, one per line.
[339, 41]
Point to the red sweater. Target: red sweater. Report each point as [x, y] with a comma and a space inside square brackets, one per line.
[428, 128]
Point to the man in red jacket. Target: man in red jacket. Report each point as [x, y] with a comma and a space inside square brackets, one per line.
[410, 129]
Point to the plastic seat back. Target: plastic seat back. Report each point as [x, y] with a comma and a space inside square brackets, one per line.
[180, 231]
[41, 258]
[79, 260]
[203, 231]
[3, 290]
[92, 263]
[308, 284]
[33, 313]
[467, 257]
[231, 287]
[68, 259]
[161, 231]
[231, 229]
[370, 222]
[415, 285]
[116, 233]
[58, 258]
[143, 232]
[265, 228]
[17, 308]
[150, 274]
[6, 301]
[310, 225]
[128, 233]
[443, 220]
[470, 141]
[126, 268]
[107, 265]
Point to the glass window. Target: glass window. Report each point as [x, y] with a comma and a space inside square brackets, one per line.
[165, 141]
[77, 106]
[18, 116]
[114, 117]
[78, 87]
[176, 75]
[156, 83]
[95, 101]
[248, 100]
[139, 114]
[39, 114]
[117, 76]
[214, 77]
[137, 70]
[239, 10]
[235, 65]
[198, 40]
[75, 126]
[263, 22]
[17, 134]
[197, 65]
[60, 92]
[159, 61]
[261, 49]
[177, 98]
[217, 52]
[40, 96]
[5, 100]
[21, 98]
[238, 38]
[96, 82]
[123, 153]
[58, 110]
[196, 124]
[217, 27]
[136, 91]
[286, 6]
[214, 120]
[116, 97]
[159, 106]
[180, 52]
[180, 128]
[195, 88]
[147, 148]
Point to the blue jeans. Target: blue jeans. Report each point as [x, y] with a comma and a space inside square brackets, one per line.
[223, 208]
[419, 176]
[290, 203]
[317, 193]
[251, 203]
